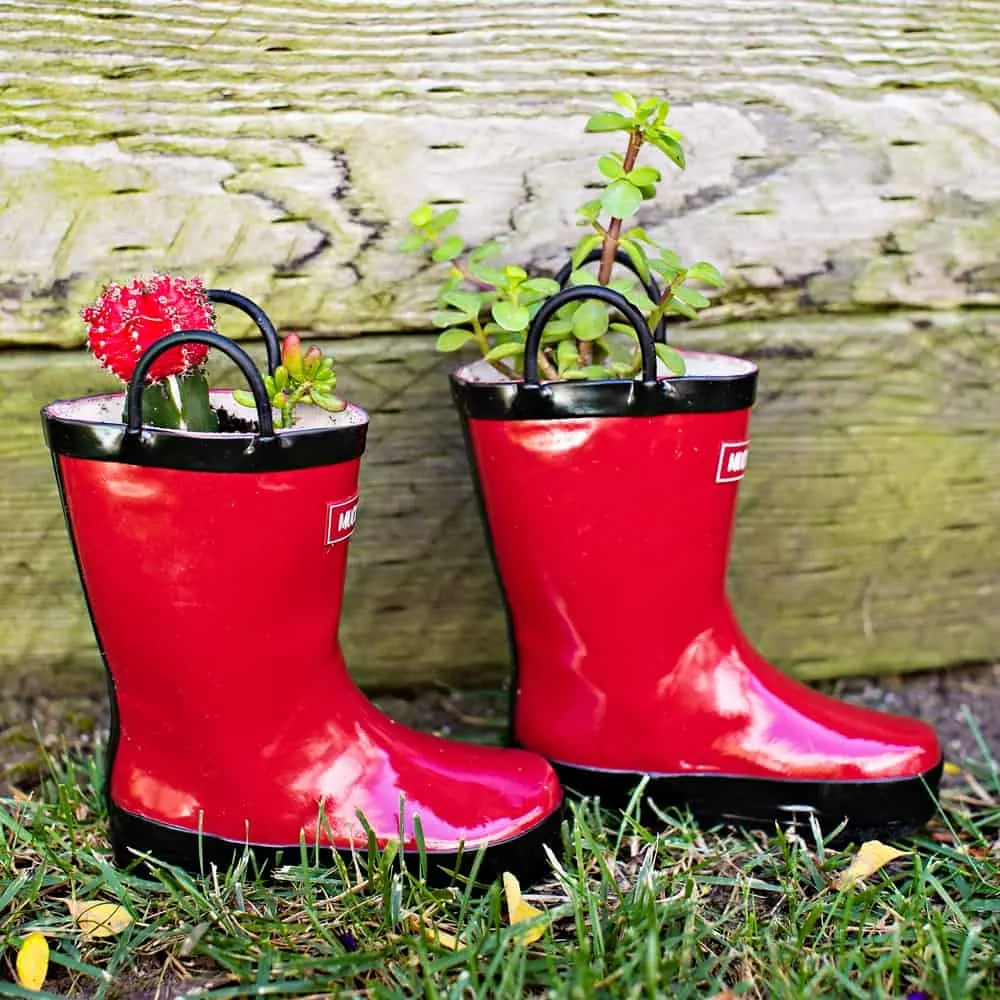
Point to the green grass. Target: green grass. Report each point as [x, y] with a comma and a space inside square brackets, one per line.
[631, 910]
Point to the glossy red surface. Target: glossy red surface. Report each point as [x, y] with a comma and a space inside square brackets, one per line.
[612, 539]
[217, 597]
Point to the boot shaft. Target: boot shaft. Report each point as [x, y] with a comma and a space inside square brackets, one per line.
[605, 527]
[213, 572]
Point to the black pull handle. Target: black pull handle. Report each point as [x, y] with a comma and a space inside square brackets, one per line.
[533, 341]
[260, 318]
[652, 288]
[235, 353]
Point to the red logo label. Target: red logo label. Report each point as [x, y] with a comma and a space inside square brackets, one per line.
[340, 520]
[732, 461]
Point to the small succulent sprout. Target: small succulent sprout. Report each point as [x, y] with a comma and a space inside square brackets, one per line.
[492, 305]
[302, 378]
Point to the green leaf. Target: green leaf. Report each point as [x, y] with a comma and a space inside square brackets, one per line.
[556, 330]
[627, 101]
[661, 113]
[618, 351]
[449, 250]
[669, 146]
[584, 247]
[467, 303]
[448, 317]
[412, 242]
[504, 351]
[444, 219]
[637, 255]
[640, 235]
[678, 305]
[488, 275]
[590, 210]
[421, 216]
[244, 397]
[621, 199]
[581, 277]
[607, 121]
[566, 355]
[489, 249]
[610, 167]
[326, 401]
[453, 338]
[648, 106]
[514, 274]
[709, 273]
[543, 286]
[625, 328]
[590, 321]
[638, 297]
[510, 316]
[280, 378]
[644, 176]
[670, 357]
[692, 297]
[594, 371]
[666, 269]
[672, 259]
[622, 285]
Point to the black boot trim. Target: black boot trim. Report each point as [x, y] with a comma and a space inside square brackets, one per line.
[883, 807]
[522, 855]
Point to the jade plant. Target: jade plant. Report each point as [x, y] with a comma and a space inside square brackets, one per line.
[127, 319]
[491, 304]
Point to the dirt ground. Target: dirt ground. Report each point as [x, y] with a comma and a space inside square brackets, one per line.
[962, 703]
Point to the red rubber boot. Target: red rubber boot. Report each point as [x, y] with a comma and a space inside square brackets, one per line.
[213, 566]
[609, 507]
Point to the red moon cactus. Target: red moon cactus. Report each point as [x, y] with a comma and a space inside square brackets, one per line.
[127, 319]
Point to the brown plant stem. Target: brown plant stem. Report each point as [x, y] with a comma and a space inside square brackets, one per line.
[547, 368]
[609, 247]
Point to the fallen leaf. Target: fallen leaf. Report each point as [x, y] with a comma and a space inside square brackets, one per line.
[98, 920]
[518, 910]
[32, 961]
[871, 856]
[950, 768]
[432, 932]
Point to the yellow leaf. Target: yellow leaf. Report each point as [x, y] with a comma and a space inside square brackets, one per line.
[950, 768]
[518, 910]
[871, 856]
[432, 932]
[33, 961]
[98, 920]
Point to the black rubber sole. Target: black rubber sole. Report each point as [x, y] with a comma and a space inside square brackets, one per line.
[887, 807]
[523, 856]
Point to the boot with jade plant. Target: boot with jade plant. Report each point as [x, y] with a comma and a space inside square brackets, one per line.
[236, 725]
[607, 467]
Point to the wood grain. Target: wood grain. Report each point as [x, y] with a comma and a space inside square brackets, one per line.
[842, 153]
[868, 538]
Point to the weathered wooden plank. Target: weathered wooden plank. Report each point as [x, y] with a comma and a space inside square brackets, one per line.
[868, 541]
[843, 154]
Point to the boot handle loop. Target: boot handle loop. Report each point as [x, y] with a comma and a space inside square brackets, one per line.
[235, 353]
[533, 341]
[651, 287]
[260, 318]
